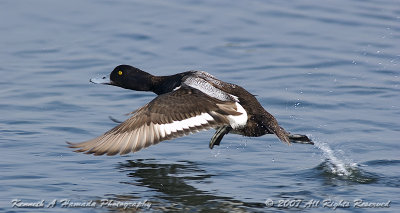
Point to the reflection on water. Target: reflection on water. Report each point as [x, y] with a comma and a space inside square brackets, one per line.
[170, 183]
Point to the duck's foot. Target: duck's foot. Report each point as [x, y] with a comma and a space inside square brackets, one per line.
[297, 138]
[219, 134]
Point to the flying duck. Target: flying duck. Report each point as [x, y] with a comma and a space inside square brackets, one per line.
[187, 102]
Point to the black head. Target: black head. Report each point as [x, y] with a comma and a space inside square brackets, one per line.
[129, 77]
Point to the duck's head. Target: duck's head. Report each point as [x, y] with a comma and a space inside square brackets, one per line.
[127, 77]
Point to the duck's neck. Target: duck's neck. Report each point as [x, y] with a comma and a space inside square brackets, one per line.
[165, 84]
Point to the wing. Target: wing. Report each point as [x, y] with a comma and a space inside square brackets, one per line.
[171, 115]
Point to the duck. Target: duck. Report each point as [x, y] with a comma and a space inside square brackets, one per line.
[186, 103]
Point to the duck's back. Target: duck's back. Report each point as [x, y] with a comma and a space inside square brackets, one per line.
[260, 122]
[210, 85]
[223, 91]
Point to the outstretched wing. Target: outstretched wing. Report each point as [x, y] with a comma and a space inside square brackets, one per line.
[175, 114]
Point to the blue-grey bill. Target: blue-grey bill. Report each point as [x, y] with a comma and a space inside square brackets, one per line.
[101, 80]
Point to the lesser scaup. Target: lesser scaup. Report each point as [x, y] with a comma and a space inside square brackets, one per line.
[187, 102]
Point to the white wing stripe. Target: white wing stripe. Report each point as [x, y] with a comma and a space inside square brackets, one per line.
[161, 130]
[177, 126]
[145, 133]
[167, 129]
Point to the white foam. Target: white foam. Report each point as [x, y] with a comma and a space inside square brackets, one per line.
[337, 166]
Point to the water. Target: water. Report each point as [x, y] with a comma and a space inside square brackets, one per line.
[326, 69]
[336, 166]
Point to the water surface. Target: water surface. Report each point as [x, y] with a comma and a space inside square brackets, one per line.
[329, 70]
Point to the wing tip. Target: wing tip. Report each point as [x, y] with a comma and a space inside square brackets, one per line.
[74, 145]
[93, 152]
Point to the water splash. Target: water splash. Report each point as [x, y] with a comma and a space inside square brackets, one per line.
[337, 166]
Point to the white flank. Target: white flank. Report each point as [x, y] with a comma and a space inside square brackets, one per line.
[238, 120]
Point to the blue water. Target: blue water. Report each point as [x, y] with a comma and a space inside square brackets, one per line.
[326, 69]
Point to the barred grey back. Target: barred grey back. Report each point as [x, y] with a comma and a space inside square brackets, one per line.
[201, 81]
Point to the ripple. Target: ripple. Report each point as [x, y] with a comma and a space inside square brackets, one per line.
[18, 132]
[61, 106]
[335, 168]
[67, 129]
[352, 174]
[21, 177]
[134, 36]
[37, 52]
[383, 163]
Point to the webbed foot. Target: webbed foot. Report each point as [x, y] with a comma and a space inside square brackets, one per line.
[219, 134]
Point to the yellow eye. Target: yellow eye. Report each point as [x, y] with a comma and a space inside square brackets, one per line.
[120, 72]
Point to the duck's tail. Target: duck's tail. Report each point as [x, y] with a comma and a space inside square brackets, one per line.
[285, 136]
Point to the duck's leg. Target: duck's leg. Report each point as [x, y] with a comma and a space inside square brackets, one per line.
[219, 134]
